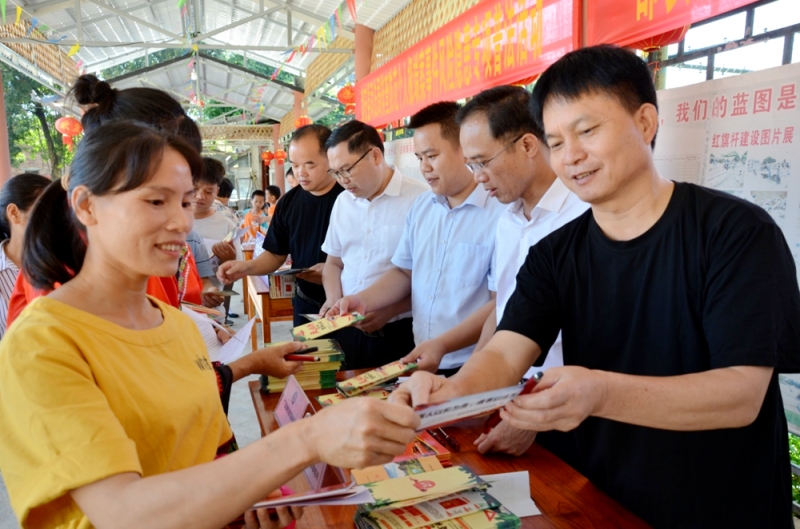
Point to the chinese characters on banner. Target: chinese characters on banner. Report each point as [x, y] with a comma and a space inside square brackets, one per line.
[627, 21]
[493, 43]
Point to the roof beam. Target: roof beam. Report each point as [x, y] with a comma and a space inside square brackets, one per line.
[138, 20]
[310, 17]
[101, 18]
[167, 44]
[146, 69]
[256, 16]
[270, 20]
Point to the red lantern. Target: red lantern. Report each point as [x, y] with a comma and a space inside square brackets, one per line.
[68, 127]
[347, 95]
[302, 121]
[267, 156]
[280, 156]
[659, 41]
[349, 110]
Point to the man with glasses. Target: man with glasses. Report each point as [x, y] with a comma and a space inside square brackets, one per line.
[300, 224]
[508, 155]
[365, 229]
[444, 259]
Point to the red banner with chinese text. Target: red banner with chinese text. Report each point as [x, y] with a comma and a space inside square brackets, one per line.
[493, 43]
[627, 21]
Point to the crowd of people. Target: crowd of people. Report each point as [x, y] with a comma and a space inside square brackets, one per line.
[660, 312]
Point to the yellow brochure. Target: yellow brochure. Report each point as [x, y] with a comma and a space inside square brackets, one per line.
[323, 326]
[396, 470]
[361, 383]
[421, 487]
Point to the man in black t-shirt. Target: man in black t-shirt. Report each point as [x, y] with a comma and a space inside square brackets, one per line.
[300, 223]
[678, 306]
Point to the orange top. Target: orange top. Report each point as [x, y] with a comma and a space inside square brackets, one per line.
[252, 225]
[162, 288]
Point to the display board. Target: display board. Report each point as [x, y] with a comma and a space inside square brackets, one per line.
[738, 135]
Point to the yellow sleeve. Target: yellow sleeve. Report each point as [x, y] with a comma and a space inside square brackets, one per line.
[59, 432]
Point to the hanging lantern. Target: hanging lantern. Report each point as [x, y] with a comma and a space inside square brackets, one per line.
[280, 156]
[68, 127]
[652, 44]
[349, 110]
[302, 121]
[526, 81]
[267, 156]
[347, 95]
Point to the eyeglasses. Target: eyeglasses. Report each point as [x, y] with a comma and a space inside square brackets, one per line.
[345, 174]
[477, 166]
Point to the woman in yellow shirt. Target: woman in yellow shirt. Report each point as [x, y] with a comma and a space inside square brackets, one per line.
[108, 403]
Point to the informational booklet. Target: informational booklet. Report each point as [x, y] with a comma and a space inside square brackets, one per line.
[289, 272]
[381, 393]
[320, 496]
[454, 410]
[370, 379]
[422, 487]
[425, 513]
[393, 470]
[323, 326]
[207, 331]
[234, 347]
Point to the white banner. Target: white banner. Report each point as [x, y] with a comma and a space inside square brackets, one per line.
[737, 135]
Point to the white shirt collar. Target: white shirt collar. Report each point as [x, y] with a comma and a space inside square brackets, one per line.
[5, 261]
[552, 200]
[392, 188]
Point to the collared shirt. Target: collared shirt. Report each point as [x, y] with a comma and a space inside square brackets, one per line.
[8, 276]
[225, 210]
[515, 236]
[450, 254]
[364, 234]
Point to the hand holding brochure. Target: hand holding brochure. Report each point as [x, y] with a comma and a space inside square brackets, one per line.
[453, 410]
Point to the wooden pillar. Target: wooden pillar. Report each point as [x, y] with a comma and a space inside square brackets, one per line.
[278, 178]
[5, 156]
[363, 50]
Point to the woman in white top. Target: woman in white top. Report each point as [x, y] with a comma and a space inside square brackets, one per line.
[16, 199]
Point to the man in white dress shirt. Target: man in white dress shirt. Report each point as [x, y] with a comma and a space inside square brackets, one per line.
[445, 256]
[509, 157]
[365, 228]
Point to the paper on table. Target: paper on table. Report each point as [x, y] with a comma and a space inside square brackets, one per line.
[207, 331]
[513, 490]
[342, 494]
[234, 348]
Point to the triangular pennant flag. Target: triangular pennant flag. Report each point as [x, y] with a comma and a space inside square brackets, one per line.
[338, 14]
[194, 48]
[332, 28]
[291, 56]
[44, 28]
[3, 7]
[34, 23]
[56, 41]
[351, 6]
[191, 64]
[181, 3]
[73, 50]
[19, 14]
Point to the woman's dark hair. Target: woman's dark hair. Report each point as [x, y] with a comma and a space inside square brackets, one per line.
[274, 191]
[22, 191]
[148, 105]
[225, 188]
[603, 69]
[113, 158]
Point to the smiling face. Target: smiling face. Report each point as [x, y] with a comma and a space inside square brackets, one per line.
[509, 174]
[441, 161]
[309, 164]
[155, 218]
[366, 175]
[597, 147]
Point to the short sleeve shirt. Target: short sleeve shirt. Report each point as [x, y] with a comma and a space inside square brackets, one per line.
[450, 254]
[82, 399]
[365, 233]
[298, 228]
[712, 284]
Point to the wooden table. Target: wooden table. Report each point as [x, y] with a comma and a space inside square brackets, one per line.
[248, 256]
[565, 497]
[265, 309]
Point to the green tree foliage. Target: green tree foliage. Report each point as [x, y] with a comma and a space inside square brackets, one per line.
[31, 125]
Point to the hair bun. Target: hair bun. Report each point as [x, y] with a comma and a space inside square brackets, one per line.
[88, 89]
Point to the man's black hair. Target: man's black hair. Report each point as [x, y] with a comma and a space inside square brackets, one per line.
[506, 110]
[213, 172]
[275, 191]
[444, 113]
[604, 69]
[225, 188]
[320, 132]
[258, 193]
[359, 137]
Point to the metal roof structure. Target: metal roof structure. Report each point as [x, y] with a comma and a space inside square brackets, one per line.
[113, 33]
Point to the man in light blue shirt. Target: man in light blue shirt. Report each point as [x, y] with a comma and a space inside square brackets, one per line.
[445, 254]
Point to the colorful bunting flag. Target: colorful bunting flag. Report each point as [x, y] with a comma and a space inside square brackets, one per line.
[337, 14]
[3, 7]
[73, 50]
[351, 6]
[34, 23]
[19, 14]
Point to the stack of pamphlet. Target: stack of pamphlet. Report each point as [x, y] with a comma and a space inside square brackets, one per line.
[451, 498]
[313, 375]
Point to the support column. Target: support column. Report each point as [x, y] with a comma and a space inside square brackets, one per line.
[363, 50]
[278, 175]
[5, 156]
